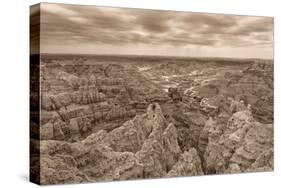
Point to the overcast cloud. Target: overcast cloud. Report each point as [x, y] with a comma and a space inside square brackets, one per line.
[104, 30]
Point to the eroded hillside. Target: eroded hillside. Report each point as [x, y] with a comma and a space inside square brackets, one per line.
[106, 120]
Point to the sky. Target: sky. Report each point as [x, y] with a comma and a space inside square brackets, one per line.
[76, 29]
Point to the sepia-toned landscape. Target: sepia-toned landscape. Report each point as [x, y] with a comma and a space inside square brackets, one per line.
[150, 101]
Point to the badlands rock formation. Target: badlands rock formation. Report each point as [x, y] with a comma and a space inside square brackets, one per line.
[148, 147]
[76, 104]
[145, 147]
[106, 121]
[238, 145]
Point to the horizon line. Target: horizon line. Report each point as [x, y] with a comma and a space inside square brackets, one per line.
[146, 55]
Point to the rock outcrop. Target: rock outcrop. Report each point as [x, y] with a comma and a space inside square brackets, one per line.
[189, 164]
[115, 121]
[145, 147]
[238, 145]
[78, 100]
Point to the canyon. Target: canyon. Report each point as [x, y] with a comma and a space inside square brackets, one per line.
[105, 118]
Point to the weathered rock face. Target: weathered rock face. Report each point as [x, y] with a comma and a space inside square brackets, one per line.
[264, 162]
[78, 100]
[236, 146]
[174, 94]
[103, 122]
[210, 126]
[189, 164]
[83, 96]
[160, 151]
[144, 147]
[253, 85]
[189, 123]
